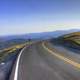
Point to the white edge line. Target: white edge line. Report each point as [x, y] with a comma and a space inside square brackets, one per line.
[17, 65]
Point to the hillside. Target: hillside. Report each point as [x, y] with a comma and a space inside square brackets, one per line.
[74, 37]
[12, 42]
[71, 40]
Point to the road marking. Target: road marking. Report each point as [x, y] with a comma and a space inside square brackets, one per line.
[17, 65]
[75, 64]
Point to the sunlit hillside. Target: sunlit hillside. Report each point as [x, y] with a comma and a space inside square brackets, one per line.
[74, 37]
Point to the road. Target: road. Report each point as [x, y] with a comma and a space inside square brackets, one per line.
[40, 61]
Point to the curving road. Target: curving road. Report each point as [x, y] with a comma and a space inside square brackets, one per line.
[40, 61]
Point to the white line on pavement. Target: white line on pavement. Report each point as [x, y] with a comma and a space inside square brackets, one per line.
[17, 65]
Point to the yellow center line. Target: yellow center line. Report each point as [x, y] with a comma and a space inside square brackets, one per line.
[75, 64]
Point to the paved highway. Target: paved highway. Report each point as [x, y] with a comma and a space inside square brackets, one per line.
[40, 61]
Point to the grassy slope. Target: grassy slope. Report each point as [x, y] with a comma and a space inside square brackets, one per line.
[12, 42]
[7, 44]
[74, 37]
[71, 40]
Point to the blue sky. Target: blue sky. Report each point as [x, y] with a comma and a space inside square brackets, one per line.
[29, 16]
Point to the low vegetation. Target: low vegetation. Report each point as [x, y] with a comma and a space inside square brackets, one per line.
[12, 42]
[7, 44]
[73, 37]
[71, 40]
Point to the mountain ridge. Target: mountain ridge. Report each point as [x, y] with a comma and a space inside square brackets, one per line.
[43, 35]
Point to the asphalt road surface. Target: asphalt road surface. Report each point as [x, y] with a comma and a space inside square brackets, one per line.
[41, 62]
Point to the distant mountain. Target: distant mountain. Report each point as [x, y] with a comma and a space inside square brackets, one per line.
[7, 41]
[44, 35]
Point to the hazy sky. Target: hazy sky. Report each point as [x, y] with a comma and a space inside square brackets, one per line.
[28, 16]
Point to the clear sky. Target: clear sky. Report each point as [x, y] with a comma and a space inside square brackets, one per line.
[28, 16]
